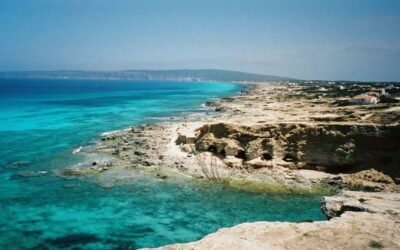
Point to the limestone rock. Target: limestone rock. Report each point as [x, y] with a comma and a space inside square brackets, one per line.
[259, 163]
[230, 146]
[233, 162]
[334, 148]
[183, 139]
[352, 230]
[221, 146]
[367, 180]
[381, 203]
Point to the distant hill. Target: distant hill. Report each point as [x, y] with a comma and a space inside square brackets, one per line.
[171, 75]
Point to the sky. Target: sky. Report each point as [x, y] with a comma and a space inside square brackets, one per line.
[308, 39]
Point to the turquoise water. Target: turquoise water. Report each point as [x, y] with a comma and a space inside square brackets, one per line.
[42, 121]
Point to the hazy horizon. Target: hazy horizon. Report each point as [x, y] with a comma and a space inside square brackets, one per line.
[350, 40]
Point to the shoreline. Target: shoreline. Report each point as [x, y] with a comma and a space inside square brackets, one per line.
[177, 156]
[203, 108]
[93, 154]
[177, 160]
[267, 139]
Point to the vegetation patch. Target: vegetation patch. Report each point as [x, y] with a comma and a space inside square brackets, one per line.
[375, 244]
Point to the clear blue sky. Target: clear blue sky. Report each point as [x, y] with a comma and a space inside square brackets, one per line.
[309, 39]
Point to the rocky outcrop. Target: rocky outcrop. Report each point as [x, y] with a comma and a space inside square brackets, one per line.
[84, 169]
[332, 148]
[350, 231]
[270, 127]
[379, 203]
[367, 180]
[138, 146]
[367, 221]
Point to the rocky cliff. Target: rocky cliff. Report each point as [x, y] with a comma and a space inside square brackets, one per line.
[334, 148]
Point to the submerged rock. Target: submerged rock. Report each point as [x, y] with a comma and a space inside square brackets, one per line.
[161, 176]
[17, 165]
[81, 171]
[78, 239]
[67, 186]
[27, 174]
[85, 169]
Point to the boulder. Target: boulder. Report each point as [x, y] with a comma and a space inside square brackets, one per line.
[233, 162]
[254, 149]
[181, 139]
[258, 163]
[206, 142]
[224, 146]
[379, 203]
[367, 180]
[231, 147]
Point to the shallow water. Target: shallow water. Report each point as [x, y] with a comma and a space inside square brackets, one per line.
[41, 118]
[41, 121]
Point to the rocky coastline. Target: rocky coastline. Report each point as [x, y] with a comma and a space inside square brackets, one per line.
[366, 221]
[278, 138]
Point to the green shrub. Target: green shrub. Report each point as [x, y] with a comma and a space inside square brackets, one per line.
[375, 244]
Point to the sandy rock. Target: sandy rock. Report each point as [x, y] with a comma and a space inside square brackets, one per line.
[367, 180]
[230, 147]
[233, 162]
[221, 146]
[326, 147]
[259, 163]
[183, 139]
[380, 203]
[350, 231]
[378, 227]
[257, 148]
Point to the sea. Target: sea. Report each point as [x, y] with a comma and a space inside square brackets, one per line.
[42, 122]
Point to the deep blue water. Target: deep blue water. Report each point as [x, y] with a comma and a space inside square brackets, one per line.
[42, 121]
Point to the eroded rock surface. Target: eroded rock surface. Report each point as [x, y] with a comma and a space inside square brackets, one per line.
[272, 133]
[376, 224]
[325, 147]
[292, 137]
[367, 180]
[353, 230]
[387, 203]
